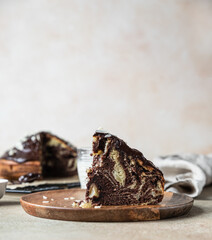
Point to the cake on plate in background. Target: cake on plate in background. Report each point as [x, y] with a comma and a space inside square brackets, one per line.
[41, 155]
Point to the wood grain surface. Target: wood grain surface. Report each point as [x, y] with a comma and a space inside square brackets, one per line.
[58, 205]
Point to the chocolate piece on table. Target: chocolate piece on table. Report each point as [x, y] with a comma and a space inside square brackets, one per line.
[30, 177]
[41, 154]
[121, 175]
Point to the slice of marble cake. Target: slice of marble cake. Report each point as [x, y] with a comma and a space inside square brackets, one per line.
[121, 175]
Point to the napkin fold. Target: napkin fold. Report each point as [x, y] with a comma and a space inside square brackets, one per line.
[185, 173]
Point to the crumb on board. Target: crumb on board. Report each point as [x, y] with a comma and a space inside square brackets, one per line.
[44, 197]
[45, 201]
[75, 204]
[82, 204]
[98, 206]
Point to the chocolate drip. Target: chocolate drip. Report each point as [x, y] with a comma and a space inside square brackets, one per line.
[28, 149]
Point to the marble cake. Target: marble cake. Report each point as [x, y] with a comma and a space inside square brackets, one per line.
[41, 155]
[121, 175]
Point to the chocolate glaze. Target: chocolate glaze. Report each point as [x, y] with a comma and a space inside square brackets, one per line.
[28, 149]
[143, 184]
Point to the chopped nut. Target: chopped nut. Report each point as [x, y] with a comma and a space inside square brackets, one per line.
[140, 162]
[75, 204]
[85, 204]
[93, 191]
[108, 135]
[98, 153]
[82, 204]
[89, 170]
[132, 162]
[97, 206]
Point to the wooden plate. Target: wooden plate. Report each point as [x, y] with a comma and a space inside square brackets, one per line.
[58, 205]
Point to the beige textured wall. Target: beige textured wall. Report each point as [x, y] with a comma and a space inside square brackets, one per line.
[141, 69]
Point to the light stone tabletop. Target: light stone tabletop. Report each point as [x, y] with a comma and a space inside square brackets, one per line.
[16, 224]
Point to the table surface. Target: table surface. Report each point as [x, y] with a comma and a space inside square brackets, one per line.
[16, 224]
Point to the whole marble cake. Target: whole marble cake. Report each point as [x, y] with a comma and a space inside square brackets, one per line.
[41, 155]
[121, 175]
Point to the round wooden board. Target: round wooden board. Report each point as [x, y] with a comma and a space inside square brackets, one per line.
[58, 205]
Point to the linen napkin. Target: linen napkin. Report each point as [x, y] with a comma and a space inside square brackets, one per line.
[185, 173]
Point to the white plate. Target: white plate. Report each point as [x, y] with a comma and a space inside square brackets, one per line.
[3, 184]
